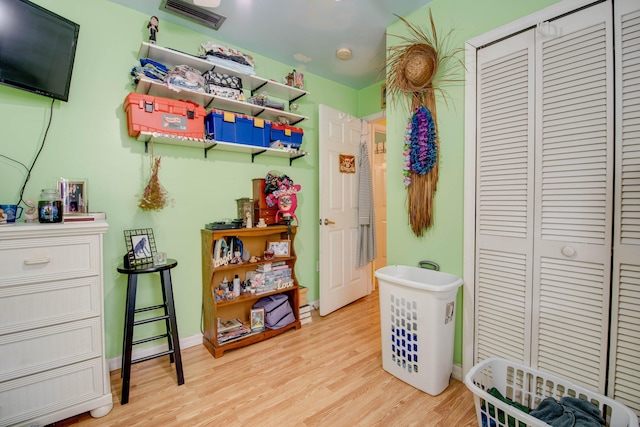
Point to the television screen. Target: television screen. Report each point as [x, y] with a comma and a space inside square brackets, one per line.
[37, 49]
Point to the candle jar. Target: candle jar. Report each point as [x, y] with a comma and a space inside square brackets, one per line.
[50, 206]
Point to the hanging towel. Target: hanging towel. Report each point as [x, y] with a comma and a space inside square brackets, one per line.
[366, 220]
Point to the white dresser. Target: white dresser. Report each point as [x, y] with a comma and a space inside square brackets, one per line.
[52, 363]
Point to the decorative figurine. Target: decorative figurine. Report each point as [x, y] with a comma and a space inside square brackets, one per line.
[287, 202]
[31, 213]
[153, 29]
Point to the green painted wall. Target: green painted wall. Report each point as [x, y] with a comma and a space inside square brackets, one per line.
[369, 100]
[88, 139]
[443, 243]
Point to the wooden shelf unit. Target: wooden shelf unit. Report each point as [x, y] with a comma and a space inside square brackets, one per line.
[254, 240]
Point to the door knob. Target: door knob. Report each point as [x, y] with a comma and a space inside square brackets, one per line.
[568, 251]
[328, 221]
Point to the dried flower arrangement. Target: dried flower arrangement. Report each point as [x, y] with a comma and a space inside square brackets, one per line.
[154, 197]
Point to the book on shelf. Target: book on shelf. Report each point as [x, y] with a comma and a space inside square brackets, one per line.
[235, 334]
[228, 325]
[305, 315]
[91, 216]
[306, 308]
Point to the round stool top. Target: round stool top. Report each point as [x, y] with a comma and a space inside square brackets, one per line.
[147, 268]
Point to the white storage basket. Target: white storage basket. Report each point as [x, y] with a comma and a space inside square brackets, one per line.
[528, 387]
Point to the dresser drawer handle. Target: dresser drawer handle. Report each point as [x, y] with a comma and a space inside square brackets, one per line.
[37, 261]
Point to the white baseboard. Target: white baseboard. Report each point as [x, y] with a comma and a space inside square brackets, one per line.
[457, 372]
[116, 362]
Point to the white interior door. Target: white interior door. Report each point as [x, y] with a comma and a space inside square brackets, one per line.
[340, 281]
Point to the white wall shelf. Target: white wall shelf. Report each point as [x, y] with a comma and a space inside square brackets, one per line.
[255, 84]
[208, 145]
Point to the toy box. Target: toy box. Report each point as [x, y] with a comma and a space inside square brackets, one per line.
[287, 135]
[146, 113]
[253, 131]
[220, 126]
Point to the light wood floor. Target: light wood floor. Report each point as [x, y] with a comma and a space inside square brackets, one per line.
[329, 373]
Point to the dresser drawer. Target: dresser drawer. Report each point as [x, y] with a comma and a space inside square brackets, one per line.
[29, 397]
[30, 352]
[37, 305]
[45, 259]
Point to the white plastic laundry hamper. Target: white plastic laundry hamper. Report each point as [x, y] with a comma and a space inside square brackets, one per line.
[417, 320]
[528, 387]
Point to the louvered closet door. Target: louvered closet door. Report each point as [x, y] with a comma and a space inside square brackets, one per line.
[544, 196]
[624, 366]
[573, 196]
[504, 206]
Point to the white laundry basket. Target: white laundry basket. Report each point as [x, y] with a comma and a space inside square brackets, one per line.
[528, 387]
[417, 320]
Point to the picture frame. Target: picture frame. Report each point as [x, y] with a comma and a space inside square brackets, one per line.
[141, 246]
[257, 319]
[73, 193]
[280, 248]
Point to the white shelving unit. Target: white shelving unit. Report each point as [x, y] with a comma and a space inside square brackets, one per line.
[254, 84]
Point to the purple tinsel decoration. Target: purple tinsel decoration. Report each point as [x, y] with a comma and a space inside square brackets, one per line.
[423, 149]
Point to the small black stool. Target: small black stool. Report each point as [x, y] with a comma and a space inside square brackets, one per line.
[129, 322]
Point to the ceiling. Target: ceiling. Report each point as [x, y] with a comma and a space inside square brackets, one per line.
[304, 34]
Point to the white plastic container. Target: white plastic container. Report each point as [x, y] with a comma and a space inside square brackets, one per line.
[417, 321]
[529, 387]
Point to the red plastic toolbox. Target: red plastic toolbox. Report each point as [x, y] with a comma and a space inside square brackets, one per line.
[146, 113]
[287, 135]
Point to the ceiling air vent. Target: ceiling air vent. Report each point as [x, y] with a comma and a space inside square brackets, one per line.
[194, 13]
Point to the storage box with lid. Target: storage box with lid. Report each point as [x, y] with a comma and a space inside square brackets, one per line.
[253, 131]
[220, 126]
[146, 113]
[226, 126]
[287, 135]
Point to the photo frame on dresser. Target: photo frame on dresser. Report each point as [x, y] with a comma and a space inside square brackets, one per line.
[74, 196]
[141, 246]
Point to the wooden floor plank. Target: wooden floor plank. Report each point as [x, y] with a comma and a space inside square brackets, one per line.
[329, 373]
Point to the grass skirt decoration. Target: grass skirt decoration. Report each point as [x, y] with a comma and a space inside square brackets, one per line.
[418, 68]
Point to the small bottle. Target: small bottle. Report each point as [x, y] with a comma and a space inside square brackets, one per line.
[50, 206]
[236, 286]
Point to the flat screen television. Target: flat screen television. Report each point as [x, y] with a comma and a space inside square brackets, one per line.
[37, 49]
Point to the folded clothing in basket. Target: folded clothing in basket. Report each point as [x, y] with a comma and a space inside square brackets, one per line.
[511, 421]
[569, 412]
